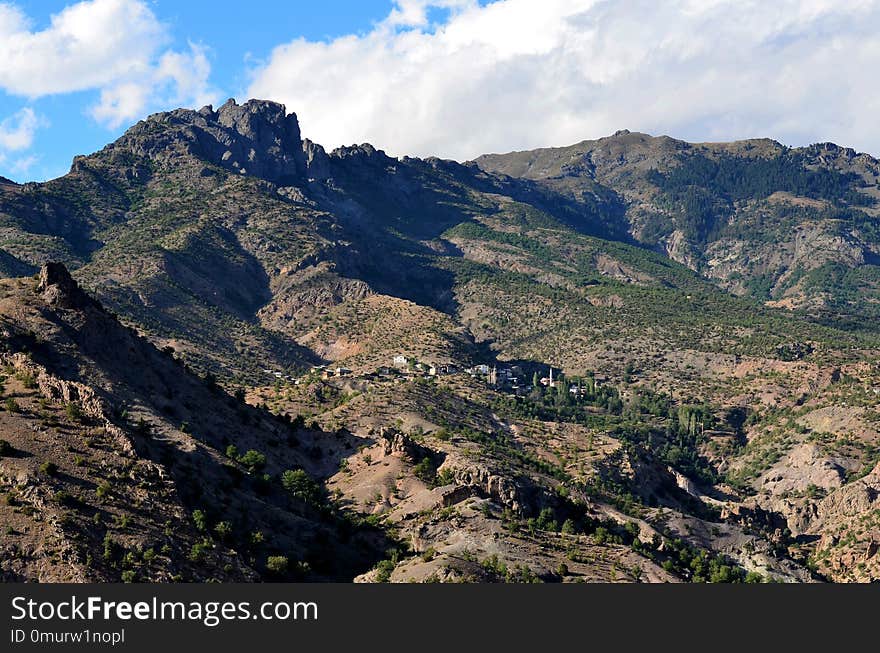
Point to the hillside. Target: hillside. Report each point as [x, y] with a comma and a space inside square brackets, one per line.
[707, 310]
[115, 460]
[794, 227]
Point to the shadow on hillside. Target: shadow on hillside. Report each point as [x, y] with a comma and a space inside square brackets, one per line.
[393, 215]
[134, 378]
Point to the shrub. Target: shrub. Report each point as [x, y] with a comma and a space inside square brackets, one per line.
[66, 499]
[49, 468]
[200, 520]
[277, 564]
[73, 411]
[384, 570]
[253, 460]
[27, 379]
[199, 550]
[223, 530]
[112, 549]
[12, 406]
[425, 471]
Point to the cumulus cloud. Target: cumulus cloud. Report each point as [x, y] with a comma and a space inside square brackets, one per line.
[117, 47]
[17, 131]
[516, 74]
[179, 78]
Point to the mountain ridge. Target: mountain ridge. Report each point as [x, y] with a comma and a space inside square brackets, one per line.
[708, 311]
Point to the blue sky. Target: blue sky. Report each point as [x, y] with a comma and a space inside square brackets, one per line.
[453, 78]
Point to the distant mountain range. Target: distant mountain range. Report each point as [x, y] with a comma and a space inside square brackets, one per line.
[719, 299]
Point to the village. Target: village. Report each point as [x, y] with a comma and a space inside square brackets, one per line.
[509, 379]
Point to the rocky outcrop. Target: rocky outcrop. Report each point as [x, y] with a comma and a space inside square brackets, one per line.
[756, 519]
[90, 404]
[502, 489]
[257, 138]
[58, 289]
[395, 443]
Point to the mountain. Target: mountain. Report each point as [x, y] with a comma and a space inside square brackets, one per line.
[796, 227]
[707, 310]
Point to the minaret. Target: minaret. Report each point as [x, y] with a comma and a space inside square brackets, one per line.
[551, 378]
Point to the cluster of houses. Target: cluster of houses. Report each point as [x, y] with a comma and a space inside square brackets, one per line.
[403, 365]
[328, 372]
[280, 376]
[510, 378]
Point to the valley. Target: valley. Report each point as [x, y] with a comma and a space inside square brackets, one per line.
[230, 355]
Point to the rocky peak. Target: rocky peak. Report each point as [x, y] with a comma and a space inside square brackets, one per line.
[58, 288]
[266, 124]
[364, 151]
[258, 138]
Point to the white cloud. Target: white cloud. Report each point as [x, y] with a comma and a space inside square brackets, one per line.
[121, 102]
[87, 45]
[114, 46]
[521, 73]
[23, 165]
[179, 78]
[17, 131]
[414, 13]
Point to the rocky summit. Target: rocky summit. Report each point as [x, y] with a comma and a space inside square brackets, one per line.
[228, 354]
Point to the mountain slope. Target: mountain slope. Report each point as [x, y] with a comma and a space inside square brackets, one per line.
[703, 307]
[115, 460]
[797, 227]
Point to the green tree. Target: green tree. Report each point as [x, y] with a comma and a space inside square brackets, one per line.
[301, 485]
[547, 520]
[253, 460]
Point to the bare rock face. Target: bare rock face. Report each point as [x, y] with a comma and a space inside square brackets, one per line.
[261, 139]
[756, 518]
[396, 443]
[59, 289]
[258, 138]
[64, 391]
[316, 160]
